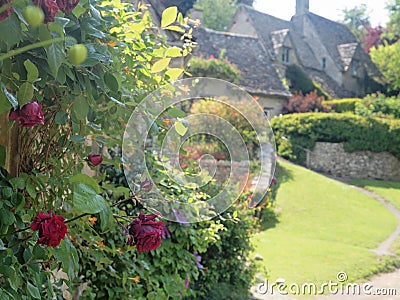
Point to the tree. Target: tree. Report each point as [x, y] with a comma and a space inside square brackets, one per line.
[387, 58]
[393, 25]
[217, 14]
[356, 19]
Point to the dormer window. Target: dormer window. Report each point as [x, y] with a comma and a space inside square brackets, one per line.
[285, 54]
[323, 63]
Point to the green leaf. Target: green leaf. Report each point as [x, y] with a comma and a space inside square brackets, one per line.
[173, 52]
[30, 188]
[32, 70]
[4, 104]
[10, 31]
[25, 93]
[17, 183]
[33, 291]
[55, 57]
[77, 139]
[61, 117]
[2, 248]
[2, 156]
[6, 217]
[83, 178]
[175, 28]
[160, 65]
[106, 219]
[180, 128]
[175, 113]
[86, 200]
[10, 97]
[169, 16]
[174, 73]
[80, 108]
[111, 82]
[66, 253]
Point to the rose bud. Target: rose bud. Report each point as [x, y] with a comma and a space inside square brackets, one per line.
[95, 159]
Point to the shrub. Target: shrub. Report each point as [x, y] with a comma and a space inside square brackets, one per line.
[299, 81]
[296, 131]
[311, 102]
[342, 105]
[379, 105]
[215, 68]
[233, 117]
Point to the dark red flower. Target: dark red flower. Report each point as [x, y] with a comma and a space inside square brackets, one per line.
[5, 14]
[146, 232]
[29, 115]
[67, 6]
[49, 7]
[95, 159]
[51, 228]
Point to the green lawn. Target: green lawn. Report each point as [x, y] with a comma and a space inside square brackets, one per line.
[390, 190]
[324, 227]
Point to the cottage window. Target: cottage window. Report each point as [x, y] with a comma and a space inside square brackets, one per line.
[268, 112]
[285, 55]
[323, 63]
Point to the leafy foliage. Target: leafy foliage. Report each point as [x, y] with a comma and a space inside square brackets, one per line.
[214, 68]
[378, 105]
[296, 131]
[356, 19]
[217, 14]
[300, 82]
[85, 109]
[342, 105]
[387, 58]
[311, 102]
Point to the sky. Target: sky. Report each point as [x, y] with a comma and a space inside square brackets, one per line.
[330, 9]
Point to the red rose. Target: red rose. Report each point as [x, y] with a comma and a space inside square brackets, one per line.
[49, 7]
[5, 14]
[67, 5]
[95, 159]
[29, 115]
[51, 229]
[146, 232]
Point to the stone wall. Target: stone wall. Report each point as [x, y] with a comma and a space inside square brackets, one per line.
[332, 159]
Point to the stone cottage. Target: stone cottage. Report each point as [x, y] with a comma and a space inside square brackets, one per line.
[326, 50]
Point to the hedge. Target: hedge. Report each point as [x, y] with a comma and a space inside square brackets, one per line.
[342, 105]
[296, 131]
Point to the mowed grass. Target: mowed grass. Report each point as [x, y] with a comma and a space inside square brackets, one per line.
[390, 190]
[324, 227]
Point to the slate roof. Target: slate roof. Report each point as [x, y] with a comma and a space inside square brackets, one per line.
[257, 72]
[332, 34]
[264, 24]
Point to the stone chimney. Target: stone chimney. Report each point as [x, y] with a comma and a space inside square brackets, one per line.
[302, 7]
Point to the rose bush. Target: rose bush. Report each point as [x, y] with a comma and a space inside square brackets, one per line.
[78, 119]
